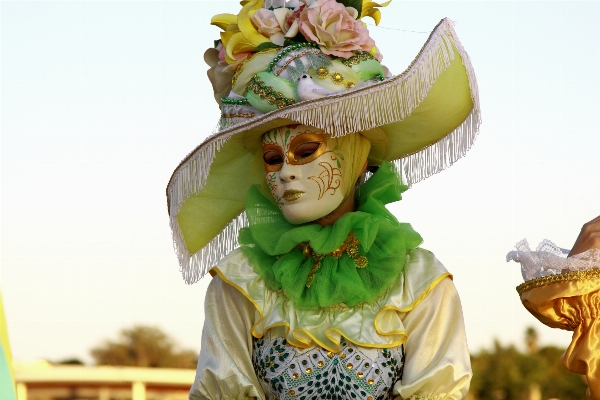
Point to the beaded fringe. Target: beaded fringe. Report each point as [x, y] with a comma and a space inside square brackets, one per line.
[372, 106]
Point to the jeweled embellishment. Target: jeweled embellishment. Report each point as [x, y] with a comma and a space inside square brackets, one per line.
[267, 92]
[349, 247]
[322, 72]
[357, 58]
[336, 77]
[334, 378]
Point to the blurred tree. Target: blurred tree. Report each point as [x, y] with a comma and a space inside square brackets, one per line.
[143, 346]
[531, 340]
[504, 373]
[70, 361]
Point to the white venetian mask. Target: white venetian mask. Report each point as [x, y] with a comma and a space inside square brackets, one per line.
[303, 171]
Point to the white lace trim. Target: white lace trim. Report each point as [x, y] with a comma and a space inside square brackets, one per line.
[549, 259]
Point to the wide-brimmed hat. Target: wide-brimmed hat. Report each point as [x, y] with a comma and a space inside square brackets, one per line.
[423, 119]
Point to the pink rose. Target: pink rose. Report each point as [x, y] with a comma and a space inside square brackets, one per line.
[335, 28]
[266, 23]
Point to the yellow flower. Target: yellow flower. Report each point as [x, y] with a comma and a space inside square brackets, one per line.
[240, 37]
[369, 9]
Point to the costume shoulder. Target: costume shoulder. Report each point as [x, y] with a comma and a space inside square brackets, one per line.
[378, 324]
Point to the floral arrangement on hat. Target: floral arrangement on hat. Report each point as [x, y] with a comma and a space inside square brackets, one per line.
[334, 26]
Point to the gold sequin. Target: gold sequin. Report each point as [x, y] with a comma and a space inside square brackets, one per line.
[291, 392]
[371, 381]
[330, 354]
[296, 376]
[343, 355]
[369, 398]
[360, 374]
[322, 72]
[320, 363]
[349, 366]
[306, 252]
[308, 370]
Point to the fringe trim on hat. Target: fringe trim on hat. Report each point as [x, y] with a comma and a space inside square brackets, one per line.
[190, 179]
[440, 155]
[376, 105]
[452, 147]
[195, 266]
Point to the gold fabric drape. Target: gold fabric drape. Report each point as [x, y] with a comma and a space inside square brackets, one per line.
[571, 301]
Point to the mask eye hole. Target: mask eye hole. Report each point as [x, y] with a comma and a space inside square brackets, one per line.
[305, 150]
[272, 157]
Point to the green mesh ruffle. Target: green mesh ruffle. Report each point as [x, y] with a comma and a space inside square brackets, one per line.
[270, 245]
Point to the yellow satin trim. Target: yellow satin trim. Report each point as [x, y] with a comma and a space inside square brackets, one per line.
[573, 303]
[297, 340]
[242, 291]
[410, 307]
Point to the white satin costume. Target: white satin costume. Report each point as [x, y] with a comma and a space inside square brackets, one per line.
[408, 344]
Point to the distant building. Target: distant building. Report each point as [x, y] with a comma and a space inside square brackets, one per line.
[41, 380]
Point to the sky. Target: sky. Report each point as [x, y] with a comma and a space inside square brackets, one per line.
[100, 100]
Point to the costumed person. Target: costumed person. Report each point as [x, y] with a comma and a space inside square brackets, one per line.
[318, 292]
[564, 292]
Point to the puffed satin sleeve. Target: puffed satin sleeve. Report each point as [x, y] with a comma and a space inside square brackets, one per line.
[437, 364]
[225, 364]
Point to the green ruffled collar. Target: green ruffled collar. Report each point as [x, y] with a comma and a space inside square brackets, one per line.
[277, 249]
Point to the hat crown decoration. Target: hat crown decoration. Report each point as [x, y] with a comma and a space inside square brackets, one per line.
[321, 29]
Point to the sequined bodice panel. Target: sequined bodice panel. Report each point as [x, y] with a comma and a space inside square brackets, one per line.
[287, 372]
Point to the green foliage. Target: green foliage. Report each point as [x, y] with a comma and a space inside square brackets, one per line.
[143, 346]
[357, 4]
[70, 361]
[507, 373]
[295, 40]
[266, 45]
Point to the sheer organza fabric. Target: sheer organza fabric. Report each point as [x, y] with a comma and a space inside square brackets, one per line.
[549, 259]
[271, 244]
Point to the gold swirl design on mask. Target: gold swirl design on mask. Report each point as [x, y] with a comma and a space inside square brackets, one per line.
[349, 247]
[329, 179]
